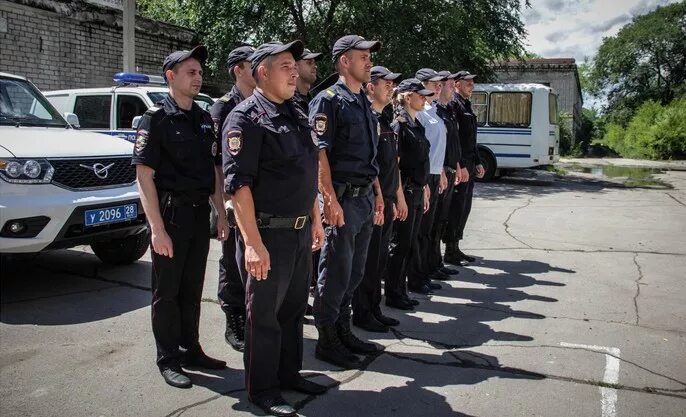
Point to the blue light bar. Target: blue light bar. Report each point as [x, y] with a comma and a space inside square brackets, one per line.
[134, 78]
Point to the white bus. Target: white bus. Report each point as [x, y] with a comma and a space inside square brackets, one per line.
[517, 126]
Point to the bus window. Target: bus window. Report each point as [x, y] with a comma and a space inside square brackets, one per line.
[480, 107]
[552, 108]
[510, 110]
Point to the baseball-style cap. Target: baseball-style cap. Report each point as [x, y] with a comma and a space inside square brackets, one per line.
[447, 75]
[379, 72]
[240, 54]
[199, 53]
[413, 85]
[349, 42]
[464, 75]
[307, 54]
[274, 48]
[427, 74]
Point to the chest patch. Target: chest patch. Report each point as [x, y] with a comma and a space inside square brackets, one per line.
[214, 148]
[234, 142]
[320, 123]
[141, 141]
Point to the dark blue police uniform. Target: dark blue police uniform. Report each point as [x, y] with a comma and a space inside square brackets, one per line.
[348, 131]
[183, 150]
[270, 148]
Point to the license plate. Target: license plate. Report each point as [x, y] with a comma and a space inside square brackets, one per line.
[111, 214]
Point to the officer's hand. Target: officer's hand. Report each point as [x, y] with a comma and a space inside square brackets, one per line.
[162, 243]
[378, 210]
[443, 183]
[317, 235]
[465, 175]
[333, 214]
[458, 175]
[257, 261]
[395, 211]
[427, 197]
[222, 228]
[402, 209]
[480, 171]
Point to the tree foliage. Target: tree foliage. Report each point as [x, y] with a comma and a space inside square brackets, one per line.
[444, 34]
[645, 61]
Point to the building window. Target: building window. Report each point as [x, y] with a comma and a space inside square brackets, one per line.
[510, 110]
[480, 107]
[93, 111]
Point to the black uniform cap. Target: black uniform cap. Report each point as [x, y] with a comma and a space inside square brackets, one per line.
[464, 75]
[447, 75]
[307, 54]
[274, 48]
[427, 74]
[349, 42]
[413, 85]
[199, 53]
[379, 72]
[240, 54]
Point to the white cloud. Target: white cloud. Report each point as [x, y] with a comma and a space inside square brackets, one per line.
[567, 28]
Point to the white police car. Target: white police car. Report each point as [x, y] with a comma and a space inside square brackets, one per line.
[112, 110]
[58, 189]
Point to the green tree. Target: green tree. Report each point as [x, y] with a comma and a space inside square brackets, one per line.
[646, 60]
[445, 34]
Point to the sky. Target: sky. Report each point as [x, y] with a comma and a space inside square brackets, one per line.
[575, 28]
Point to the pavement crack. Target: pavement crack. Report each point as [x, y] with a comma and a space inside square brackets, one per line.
[646, 252]
[179, 411]
[506, 223]
[638, 288]
[676, 199]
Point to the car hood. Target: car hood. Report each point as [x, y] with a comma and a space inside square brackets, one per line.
[50, 142]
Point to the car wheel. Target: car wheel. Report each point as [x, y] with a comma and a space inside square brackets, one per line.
[122, 251]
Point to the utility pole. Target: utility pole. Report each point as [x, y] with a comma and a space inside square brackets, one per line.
[129, 34]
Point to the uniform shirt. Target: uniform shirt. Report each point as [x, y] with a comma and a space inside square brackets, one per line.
[348, 130]
[452, 146]
[413, 150]
[271, 148]
[467, 121]
[180, 146]
[302, 101]
[223, 106]
[436, 134]
[387, 157]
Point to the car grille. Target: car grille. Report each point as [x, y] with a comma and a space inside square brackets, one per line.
[70, 173]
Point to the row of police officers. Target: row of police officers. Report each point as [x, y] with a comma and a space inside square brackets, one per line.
[374, 171]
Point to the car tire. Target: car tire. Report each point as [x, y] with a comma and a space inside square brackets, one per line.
[122, 251]
[489, 164]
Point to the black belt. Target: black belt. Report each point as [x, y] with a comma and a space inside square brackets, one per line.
[181, 200]
[351, 191]
[269, 221]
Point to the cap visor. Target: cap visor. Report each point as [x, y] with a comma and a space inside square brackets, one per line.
[373, 46]
[199, 53]
[437, 78]
[313, 55]
[296, 48]
[468, 77]
[392, 76]
[425, 93]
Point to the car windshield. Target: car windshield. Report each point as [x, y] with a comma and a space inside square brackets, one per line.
[21, 104]
[203, 101]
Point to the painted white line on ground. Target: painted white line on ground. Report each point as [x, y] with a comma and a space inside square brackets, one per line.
[608, 396]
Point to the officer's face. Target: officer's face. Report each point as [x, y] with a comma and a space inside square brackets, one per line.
[186, 78]
[417, 102]
[244, 73]
[381, 91]
[448, 90]
[278, 76]
[465, 88]
[434, 86]
[307, 70]
[359, 64]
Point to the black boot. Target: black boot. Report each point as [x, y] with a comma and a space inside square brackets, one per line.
[463, 255]
[235, 328]
[351, 341]
[452, 255]
[330, 349]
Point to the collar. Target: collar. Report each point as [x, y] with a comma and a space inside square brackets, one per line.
[268, 108]
[403, 113]
[235, 92]
[344, 91]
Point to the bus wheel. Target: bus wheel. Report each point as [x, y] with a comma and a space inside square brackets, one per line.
[489, 164]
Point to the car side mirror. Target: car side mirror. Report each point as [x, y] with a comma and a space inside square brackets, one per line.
[72, 119]
[135, 122]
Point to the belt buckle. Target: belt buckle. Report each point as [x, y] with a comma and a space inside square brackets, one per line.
[356, 192]
[300, 222]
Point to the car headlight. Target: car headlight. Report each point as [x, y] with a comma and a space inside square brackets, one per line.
[26, 171]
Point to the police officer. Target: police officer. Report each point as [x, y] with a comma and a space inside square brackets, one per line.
[451, 166]
[414, 163]
[231, 293]
[419, 271]
[470, 164]
[307, 75]
[270, 163]
[177, 168]
[348, 136]
[367, 299]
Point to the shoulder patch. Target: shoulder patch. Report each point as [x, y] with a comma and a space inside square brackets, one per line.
[234, 141]
[320, 123]
[141, 141]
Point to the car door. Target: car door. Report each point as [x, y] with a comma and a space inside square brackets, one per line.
[127, 106]
[94, 111]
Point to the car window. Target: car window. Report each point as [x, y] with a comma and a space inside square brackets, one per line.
[93, 111]
[22, 104]
[128, 107]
